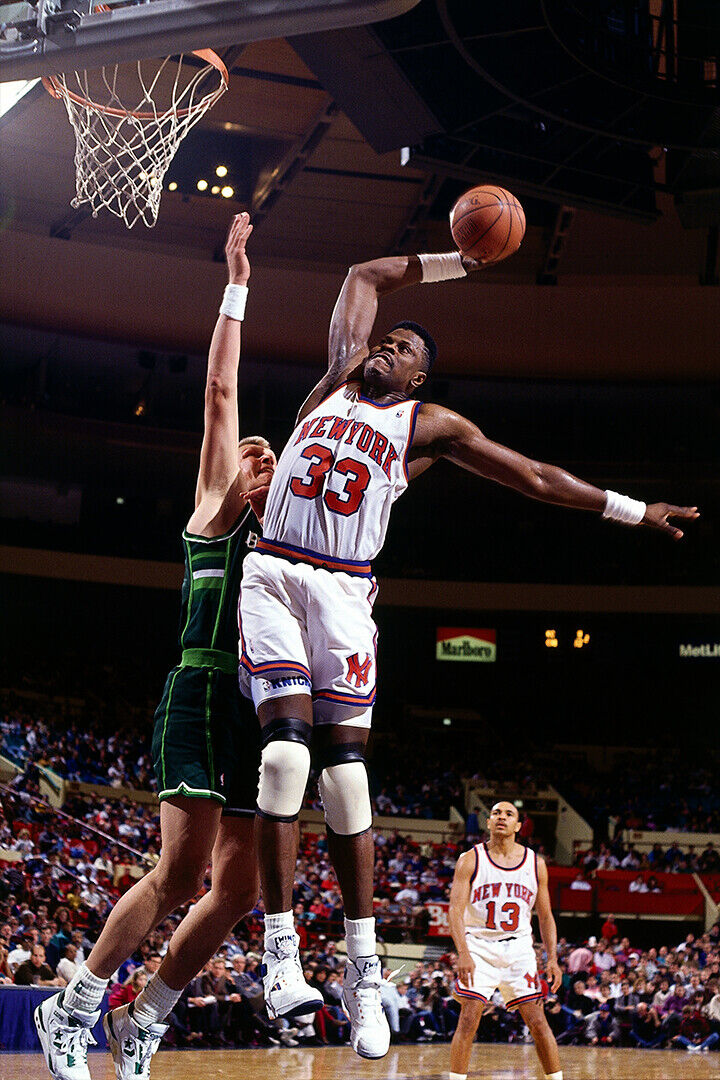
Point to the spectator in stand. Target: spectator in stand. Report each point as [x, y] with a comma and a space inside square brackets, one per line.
[67, 965]
[626, 1003]
[709, 861]
[124, 993]
[695, 1030]
[653, 885]
[609, 928]
[580, 959]
[23, 951]
[604, 959]
[638, 885]
[631, 860]
[645, 1027]
[5, 972]
[35, 972]
[580, 882]
[672, 1010]
[602, 1028]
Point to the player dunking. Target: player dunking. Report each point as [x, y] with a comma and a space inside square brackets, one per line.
[307, 633]
[495, 888]
[205, 743]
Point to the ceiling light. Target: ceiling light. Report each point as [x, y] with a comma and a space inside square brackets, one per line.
[202, 185]
[227, 192]
[221, 170]
[172, 186]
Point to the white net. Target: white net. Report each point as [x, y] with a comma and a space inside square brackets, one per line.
[124, 150]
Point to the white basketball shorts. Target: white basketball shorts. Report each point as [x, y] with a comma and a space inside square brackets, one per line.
[299, 619]
[508, 965]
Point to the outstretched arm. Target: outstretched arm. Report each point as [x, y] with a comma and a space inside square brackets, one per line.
[356, 309]
[548, 930]
[219, 454]
[443, 433]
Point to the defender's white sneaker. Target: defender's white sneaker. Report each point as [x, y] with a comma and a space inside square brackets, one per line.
[369, 1029]
[132, 1047]
[64, 1038]
[286, 992]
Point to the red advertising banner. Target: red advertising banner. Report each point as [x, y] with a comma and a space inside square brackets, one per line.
[439, 925]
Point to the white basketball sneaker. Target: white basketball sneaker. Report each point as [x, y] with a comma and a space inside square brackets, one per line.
[286, 992]
[369, 1029]
[65, 1038]
[132, 1047]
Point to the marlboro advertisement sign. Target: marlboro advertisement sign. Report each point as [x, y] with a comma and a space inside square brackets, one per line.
[475, 646]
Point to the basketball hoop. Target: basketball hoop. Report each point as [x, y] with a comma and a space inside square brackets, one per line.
[124, 150]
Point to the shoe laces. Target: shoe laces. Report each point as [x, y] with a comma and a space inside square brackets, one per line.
[73, 1039]
[366, 993]
[147, 1049]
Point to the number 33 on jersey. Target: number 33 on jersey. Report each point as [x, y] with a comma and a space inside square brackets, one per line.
[340, 473]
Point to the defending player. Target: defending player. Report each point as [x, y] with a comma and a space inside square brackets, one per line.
[307, 633]
[495, 888]
[205, 743]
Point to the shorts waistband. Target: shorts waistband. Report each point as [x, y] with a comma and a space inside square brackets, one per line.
[210, 658]
[313, 558]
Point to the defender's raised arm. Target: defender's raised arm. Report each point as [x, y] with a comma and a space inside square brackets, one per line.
[218, 457]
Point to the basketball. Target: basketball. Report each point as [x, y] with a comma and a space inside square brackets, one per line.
[487, 223]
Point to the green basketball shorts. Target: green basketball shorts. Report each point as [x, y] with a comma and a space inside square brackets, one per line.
[206, 739]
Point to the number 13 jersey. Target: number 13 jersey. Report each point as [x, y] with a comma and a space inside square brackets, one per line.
[338, 476]
[501, 898]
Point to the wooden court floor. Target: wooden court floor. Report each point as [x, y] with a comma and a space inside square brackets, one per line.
[489, 1062]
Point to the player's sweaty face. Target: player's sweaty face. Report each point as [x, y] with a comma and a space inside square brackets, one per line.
[392, 363]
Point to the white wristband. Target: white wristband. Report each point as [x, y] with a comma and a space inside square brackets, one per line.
[442, 267]
[234, 301]
[623, 509]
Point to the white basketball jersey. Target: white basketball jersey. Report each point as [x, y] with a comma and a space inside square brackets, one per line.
[338, 476]
[501, 899]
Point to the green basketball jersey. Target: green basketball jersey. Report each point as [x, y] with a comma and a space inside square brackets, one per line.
[211, 586]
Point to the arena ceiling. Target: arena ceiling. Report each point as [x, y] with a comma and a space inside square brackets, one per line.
[312, 148]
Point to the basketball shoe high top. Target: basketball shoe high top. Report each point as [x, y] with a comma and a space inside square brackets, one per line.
[64, 1038]
[132, 1047]
[369, 1029]
[286, 992]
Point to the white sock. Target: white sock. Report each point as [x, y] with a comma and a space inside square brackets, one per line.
[154, 1003]
[84, 992]
[281, 921]
[554, 1076]
[360, 937]
[457, 1076]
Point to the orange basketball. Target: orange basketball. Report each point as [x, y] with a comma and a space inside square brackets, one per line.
[487, 223]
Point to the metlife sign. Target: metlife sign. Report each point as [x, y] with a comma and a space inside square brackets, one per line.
[473, 646]
[706, 651]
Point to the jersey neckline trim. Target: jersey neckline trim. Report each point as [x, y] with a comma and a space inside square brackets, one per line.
[497, 865]
[187, 535]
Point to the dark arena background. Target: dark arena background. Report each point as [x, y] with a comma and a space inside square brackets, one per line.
[526, 652]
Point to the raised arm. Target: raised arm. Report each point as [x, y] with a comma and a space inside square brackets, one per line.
[459, 898]
[219, 454]
[548, 930]
[443, 433]
[356, 309]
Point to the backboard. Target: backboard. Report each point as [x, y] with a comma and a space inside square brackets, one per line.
[53, 36]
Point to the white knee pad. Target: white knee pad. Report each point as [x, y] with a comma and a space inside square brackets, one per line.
[346, 798]
[284, 769]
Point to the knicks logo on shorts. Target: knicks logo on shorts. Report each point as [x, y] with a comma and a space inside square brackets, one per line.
[360, 672]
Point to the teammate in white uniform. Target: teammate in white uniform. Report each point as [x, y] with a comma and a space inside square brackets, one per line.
[307, 635]
[495, 888]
